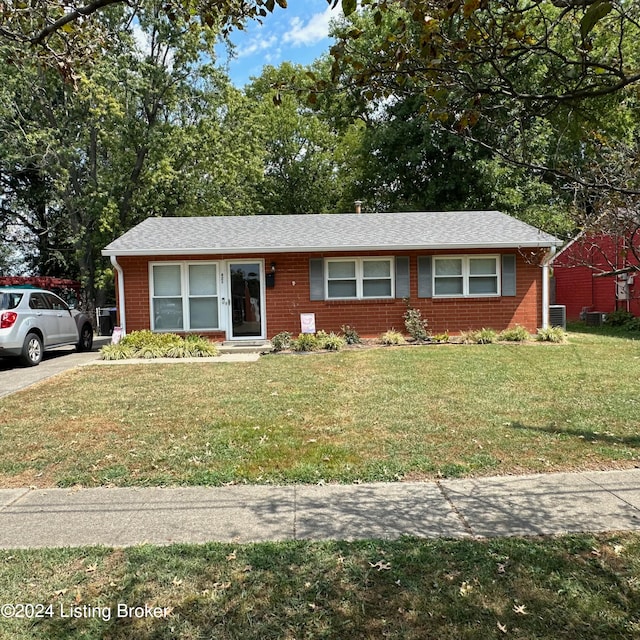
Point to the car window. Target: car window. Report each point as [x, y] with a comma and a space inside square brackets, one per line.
[38, 301]
[9, 299]
[55, 303]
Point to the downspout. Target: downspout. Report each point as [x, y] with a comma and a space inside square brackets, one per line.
[118, 268]
[545, 286]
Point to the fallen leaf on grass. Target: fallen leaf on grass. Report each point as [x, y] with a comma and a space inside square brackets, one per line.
[380, 565]
[520, 609]
[502, 627]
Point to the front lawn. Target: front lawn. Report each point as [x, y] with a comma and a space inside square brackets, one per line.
[565, 588]
[378, 414]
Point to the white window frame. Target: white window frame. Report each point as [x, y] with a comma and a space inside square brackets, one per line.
[359, 277]
[466, 276]
[185, 294]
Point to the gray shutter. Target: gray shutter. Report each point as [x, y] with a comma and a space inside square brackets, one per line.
[425, 289]
[509, 274]
[316, 278]
[402, 277]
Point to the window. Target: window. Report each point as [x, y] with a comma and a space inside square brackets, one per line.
[184, 296]
[466, 276]
[359, 278]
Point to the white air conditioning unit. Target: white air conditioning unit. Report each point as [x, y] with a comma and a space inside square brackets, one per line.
[558, 315]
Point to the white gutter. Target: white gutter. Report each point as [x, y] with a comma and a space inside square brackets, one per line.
[123, 318]
[545, 286]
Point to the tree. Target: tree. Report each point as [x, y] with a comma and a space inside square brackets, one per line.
[303, 150]
[148, 129]
[498, 72]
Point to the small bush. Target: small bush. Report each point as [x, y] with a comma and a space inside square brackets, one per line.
[479, 336]
[305, 342]
[515, 334]
[618, 318]
[281, 341]
[116, 352]
[486, 336]
[329, 341]
[415, 324]
[392, 337]
[440, 337]
[350, 335]
[551, 334]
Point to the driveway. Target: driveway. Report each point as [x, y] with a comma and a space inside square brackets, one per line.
[14, 377]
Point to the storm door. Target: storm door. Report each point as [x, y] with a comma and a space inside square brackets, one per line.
[246, 284]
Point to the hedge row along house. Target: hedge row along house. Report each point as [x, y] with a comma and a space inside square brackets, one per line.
[240, 278]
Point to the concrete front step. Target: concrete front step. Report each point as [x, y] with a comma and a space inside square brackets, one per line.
[248, 346]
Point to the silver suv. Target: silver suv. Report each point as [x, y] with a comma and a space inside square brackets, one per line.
[34, 320]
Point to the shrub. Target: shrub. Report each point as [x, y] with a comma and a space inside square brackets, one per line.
[392, 337]
[350, 335]
[145, 344]
[281, 341]
[305, 342]
[479, 336]
[415, 324]
[618, 318]
[440, 337]
[116, 352]
[515, 334]
[551, 334]
[329, 341]
[486, 336]
[633, 324]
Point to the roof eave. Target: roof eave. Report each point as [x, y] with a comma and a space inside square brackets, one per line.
[342, 248]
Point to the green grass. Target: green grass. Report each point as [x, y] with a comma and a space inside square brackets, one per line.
[571, 587]
[377, 414]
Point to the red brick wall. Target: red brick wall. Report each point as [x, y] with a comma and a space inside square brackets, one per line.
[290, 297]
[578, 288]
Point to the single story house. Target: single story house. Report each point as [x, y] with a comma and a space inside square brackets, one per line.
[597, 272]
[251, 277]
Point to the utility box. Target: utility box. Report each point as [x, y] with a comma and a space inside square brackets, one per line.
[558, 315]
[595, 318]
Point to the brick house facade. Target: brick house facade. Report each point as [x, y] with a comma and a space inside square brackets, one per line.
[363, 277]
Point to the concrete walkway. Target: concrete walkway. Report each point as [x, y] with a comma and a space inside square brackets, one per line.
[483, 507]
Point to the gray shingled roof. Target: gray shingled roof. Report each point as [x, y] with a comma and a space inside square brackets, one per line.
[328, 232]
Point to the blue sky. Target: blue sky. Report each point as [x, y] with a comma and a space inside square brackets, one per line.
[297, 34]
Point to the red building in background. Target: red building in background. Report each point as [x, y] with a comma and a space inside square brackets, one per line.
[598, 273]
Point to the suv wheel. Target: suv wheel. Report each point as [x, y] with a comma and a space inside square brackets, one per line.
[86, 338]
[32, 350]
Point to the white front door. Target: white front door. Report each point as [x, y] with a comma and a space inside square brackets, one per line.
[246, 300]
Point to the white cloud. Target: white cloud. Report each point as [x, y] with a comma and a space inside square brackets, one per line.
[255, 46]
[311, 32]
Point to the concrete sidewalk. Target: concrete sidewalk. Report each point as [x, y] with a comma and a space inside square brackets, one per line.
[482, 507]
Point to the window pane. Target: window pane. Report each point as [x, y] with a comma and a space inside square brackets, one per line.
[202, 280]
[376, 269]
[342, 289]
[488, 284]
[448, 286]
[203, 313]
[482, 266]
[342, 269]
[448, 266]
[167, 313]
[166, 280]
[376, 288]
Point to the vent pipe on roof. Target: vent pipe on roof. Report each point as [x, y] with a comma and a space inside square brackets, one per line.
[358, 204]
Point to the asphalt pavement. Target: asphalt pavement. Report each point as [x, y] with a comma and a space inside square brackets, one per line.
[503, 506]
